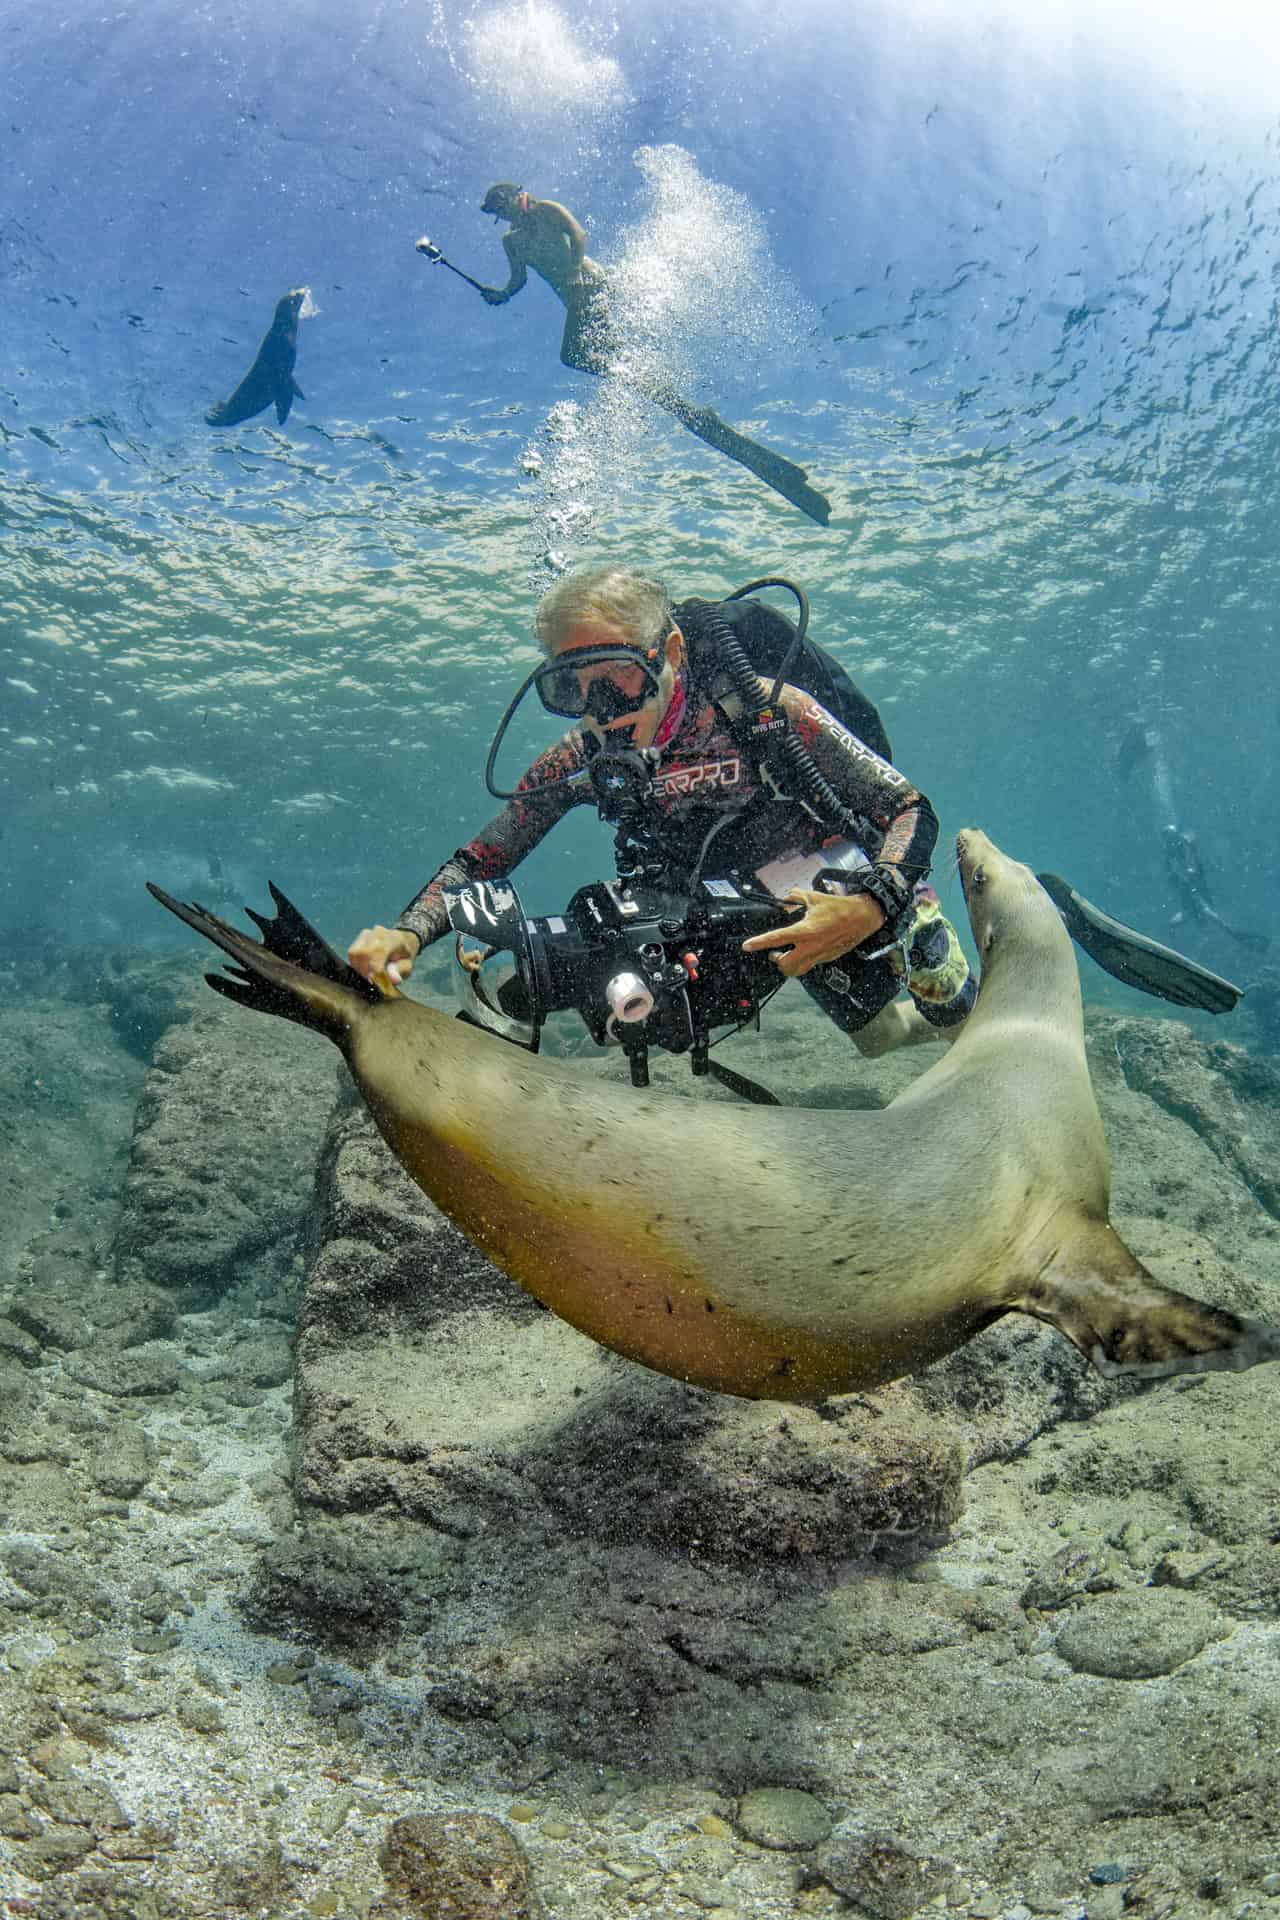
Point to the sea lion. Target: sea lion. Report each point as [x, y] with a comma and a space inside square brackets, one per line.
[776, 1253]
[271, 375]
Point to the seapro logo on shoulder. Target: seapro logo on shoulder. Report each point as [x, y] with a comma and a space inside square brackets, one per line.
[861, 751]
[678, 782]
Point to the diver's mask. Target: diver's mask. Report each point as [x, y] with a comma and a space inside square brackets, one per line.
[625, 680]
[631, 679]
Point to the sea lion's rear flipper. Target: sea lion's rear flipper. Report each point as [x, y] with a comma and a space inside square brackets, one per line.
[293, 972]
[1122, 1319]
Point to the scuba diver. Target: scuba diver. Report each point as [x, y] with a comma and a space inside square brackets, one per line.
[545, 236]
[1131, 956]
[1142, 746]
[753, 771]
[755, 749]
[1185, 871]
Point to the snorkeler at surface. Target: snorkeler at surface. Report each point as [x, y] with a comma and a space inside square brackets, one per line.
[544, 236]
[653, 680]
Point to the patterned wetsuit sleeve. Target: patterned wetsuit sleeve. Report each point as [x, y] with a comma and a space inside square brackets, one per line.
[508, 838]
[868, 785]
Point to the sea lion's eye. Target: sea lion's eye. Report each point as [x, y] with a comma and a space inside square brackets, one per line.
[978, 878]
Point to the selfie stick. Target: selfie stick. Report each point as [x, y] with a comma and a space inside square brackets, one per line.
[430, 251]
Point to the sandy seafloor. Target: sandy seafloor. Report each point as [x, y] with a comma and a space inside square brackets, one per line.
[998, 1642]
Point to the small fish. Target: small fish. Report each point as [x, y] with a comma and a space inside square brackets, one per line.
[270, 378]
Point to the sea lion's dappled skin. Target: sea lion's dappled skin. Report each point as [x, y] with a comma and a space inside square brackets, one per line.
[778, 1253]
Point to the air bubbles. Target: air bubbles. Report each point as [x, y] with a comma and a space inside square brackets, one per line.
[696, 283]
[527, 59]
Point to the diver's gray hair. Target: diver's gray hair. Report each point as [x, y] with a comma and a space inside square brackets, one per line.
[633, 603]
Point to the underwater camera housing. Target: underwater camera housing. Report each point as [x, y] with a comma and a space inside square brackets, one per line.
[644, 965]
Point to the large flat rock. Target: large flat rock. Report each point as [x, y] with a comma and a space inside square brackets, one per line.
[222, 1165]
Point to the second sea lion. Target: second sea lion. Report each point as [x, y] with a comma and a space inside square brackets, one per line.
[776, 1253]
[270, 378]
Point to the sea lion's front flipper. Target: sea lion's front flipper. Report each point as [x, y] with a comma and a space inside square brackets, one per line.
[1101, 1296]
[286, 393]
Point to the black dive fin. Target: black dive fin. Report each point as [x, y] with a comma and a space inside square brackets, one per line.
[1134, 958]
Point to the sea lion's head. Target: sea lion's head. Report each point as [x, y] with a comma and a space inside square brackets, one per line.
[1009, 911]
[293, 306]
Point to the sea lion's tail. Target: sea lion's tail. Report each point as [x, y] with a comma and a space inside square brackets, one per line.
[1125, 1321]
[291, 971]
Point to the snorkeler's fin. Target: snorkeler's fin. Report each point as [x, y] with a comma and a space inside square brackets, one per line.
[1134, 958]
[783, 475]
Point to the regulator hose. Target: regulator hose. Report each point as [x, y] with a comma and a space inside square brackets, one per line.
[784, 747]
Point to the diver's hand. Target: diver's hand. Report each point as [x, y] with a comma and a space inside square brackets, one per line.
[831, 924]
[494, 297]
[389, 950]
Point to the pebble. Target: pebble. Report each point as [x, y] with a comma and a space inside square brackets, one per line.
[286, 1673]
[633, 1870]
[330, 1815]
[463, 1864]
[1139, 1633]
[705, 1892]
[783, 1817]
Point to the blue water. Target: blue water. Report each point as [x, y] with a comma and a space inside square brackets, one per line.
[1007, 287]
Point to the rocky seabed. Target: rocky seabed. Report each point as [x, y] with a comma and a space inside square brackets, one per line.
[337, 1578]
